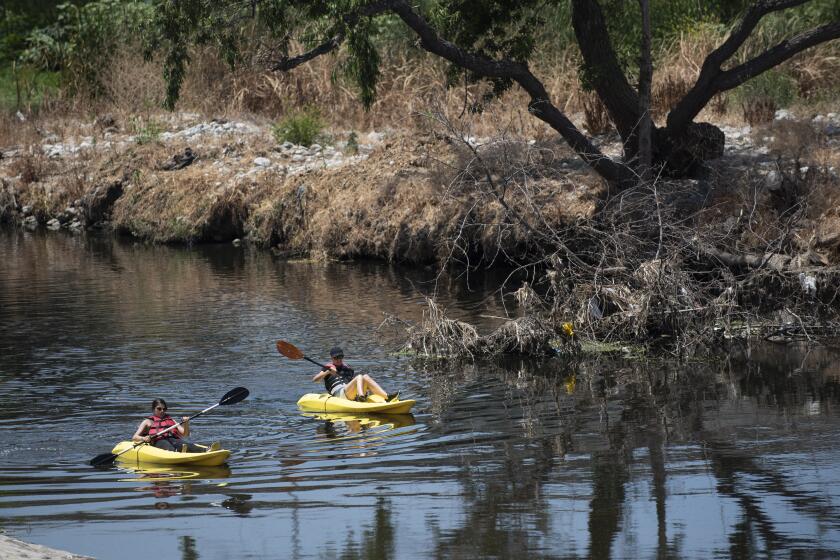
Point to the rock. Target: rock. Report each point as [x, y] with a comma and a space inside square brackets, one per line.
[782, 114]
[262, 162]
[236, 242]
[179, 161]
[773, 181]
[105, 122]
[375, 137]
[30, 222]
[26, 210]
[54, 224]
[808, 283]
[14, 549]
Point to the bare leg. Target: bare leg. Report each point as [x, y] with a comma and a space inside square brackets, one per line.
[350, 391]
[372, 385]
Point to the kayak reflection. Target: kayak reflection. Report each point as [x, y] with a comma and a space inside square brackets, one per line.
[356, 423]
[154, 473]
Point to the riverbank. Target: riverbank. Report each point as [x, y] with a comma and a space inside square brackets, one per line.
[754, 242]
[13, 549]
[381, 195]
[388, 195]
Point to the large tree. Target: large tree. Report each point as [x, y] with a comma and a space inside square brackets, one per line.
[494, 41]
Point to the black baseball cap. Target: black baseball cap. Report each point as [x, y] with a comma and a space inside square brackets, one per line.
[336, 352]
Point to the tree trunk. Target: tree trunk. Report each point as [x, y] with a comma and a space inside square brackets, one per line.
[645, 79]
[681, 152]
[603, 72]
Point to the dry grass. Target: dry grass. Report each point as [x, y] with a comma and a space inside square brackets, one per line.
[410, 84]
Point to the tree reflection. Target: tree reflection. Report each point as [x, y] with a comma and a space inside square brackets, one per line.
[187, 547]
[608, 412]
[377, 541]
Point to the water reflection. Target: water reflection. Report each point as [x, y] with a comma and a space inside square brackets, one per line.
[164, 473]
[629, 414]
[377, 540]
[597, 459]
[239, 504]
[188, 551]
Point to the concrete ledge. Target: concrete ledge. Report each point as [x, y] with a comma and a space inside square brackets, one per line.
[13, 549]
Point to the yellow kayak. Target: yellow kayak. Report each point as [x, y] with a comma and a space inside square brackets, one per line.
[324, 402]
[146, 453]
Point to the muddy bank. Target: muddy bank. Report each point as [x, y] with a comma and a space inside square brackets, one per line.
[13, 549]
[381, 195]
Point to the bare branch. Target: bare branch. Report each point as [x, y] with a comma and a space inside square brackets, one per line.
[286, 63]
[745, 28]
[711, 81]
[776, 55]
[540, 104]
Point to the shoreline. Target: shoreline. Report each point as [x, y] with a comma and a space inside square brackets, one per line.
[15, 549]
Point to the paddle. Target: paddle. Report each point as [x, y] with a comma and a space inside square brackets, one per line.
[293, 353]
[231, 397]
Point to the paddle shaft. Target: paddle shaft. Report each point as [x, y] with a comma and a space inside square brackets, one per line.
[320, 365]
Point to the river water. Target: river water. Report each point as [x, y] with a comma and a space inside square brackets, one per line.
[731, 458]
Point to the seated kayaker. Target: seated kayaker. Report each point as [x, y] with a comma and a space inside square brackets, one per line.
[173, 440]
[341, 381]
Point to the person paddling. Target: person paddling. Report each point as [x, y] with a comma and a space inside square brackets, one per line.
[173, 440]
[341, 381]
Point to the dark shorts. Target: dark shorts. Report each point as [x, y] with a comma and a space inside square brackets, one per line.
[174, 444]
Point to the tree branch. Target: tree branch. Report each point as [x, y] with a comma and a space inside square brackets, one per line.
[706, 86]
[604, 70]
[776, 55]
[745, 28]
[286, 63]
[540, 105]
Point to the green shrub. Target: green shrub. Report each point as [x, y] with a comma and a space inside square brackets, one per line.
[83, 39]
[23, 87]
[146, 131]
[302, 127]
[774, 85]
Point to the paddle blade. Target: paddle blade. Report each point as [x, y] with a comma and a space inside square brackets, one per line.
[235, 395]
[102, 460]
[289, 350]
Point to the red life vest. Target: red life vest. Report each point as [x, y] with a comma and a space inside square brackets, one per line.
[160, 424]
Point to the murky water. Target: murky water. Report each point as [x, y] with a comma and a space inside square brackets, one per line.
[734, 458]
